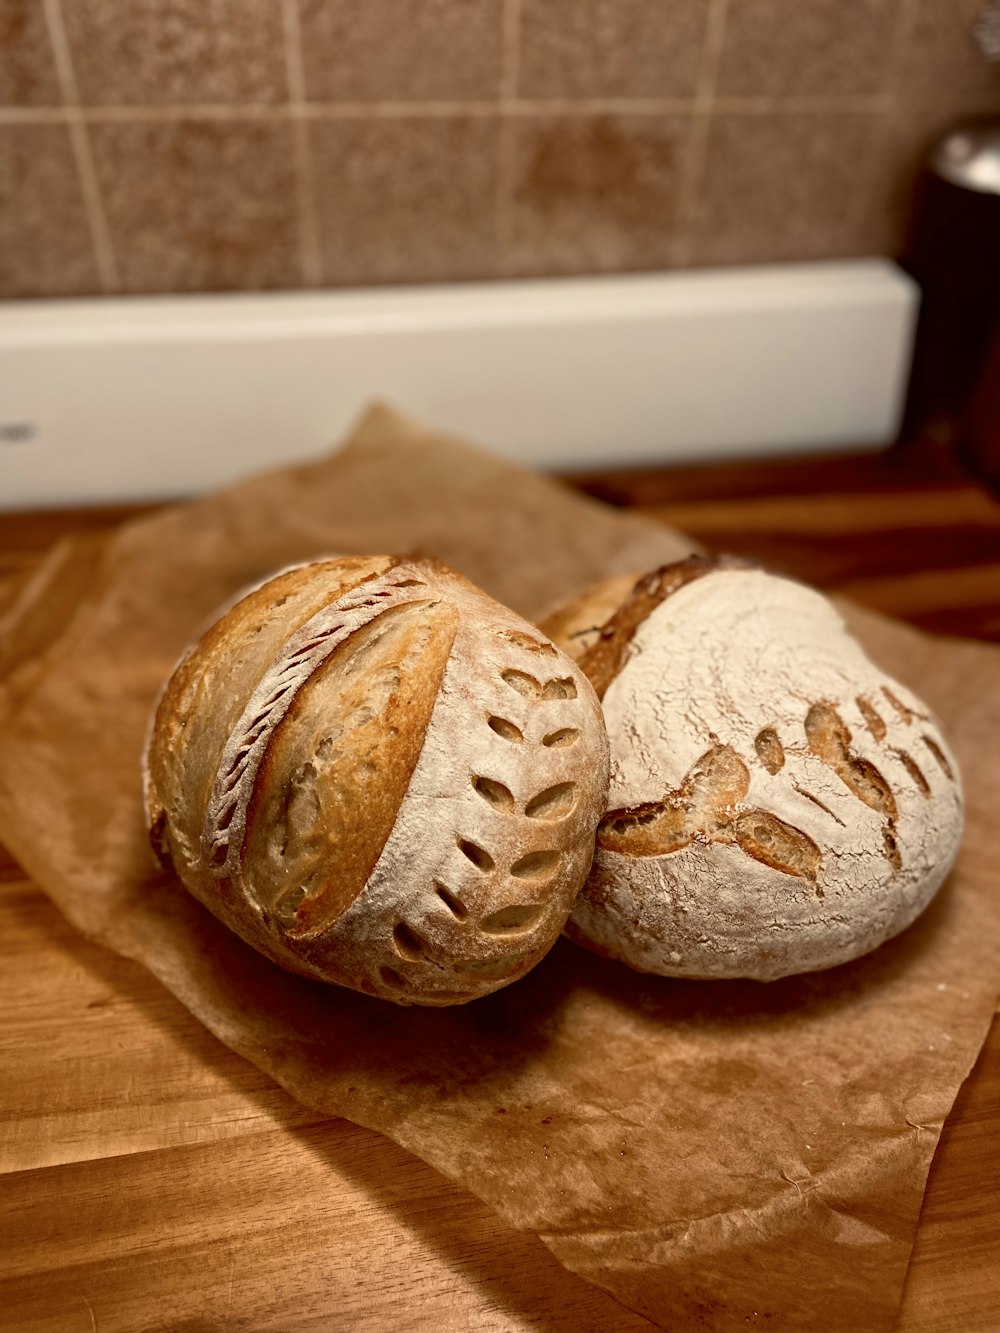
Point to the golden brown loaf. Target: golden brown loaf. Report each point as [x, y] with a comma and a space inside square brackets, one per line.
[378, 776]
[777, 804]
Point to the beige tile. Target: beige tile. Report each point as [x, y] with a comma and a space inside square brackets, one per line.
[406, 200]
[162, 52]
[45, 247]
[610, 48]
[401, 50]
[941, 57]
[898, 147]
[199, 205]
[594, 194]
[779, 187]
[27, 70]
[809, 48]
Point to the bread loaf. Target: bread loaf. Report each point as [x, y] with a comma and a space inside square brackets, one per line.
[378, 776]
[777, 803]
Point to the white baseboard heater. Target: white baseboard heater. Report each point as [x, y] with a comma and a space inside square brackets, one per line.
[107, 400]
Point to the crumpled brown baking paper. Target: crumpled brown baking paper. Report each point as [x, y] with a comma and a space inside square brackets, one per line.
[718, 1154]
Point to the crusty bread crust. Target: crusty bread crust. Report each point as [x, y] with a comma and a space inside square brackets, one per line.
[777, 804]
[380, 777]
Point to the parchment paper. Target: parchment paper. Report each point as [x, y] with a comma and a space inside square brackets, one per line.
[713, 1154]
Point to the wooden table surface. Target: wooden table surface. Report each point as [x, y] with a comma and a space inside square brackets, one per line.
[124, 1124]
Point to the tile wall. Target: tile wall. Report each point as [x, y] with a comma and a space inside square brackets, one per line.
[208, 145]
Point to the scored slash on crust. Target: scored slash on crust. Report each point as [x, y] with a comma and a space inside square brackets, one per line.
[552, 804]
[705, 806]
[307, 649]
[490, 857]
[603, 660]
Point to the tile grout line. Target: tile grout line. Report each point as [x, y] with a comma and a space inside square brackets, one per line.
[97, 223]
[510, 61]
[510, 72]
[770, 106]
[304, 110]
[310, 252]
[33, 115]
[697, 147]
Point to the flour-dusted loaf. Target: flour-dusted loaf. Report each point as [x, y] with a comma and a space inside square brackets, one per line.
[380, 777]
[777, 803]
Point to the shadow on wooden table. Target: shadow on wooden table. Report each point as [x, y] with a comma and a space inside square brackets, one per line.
[195, 1177]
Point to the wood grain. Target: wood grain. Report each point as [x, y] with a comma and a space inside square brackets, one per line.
[907, 531]
[124, 1124]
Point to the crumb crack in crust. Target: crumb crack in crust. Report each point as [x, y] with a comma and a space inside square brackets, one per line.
[378, 776]
[778, 804]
